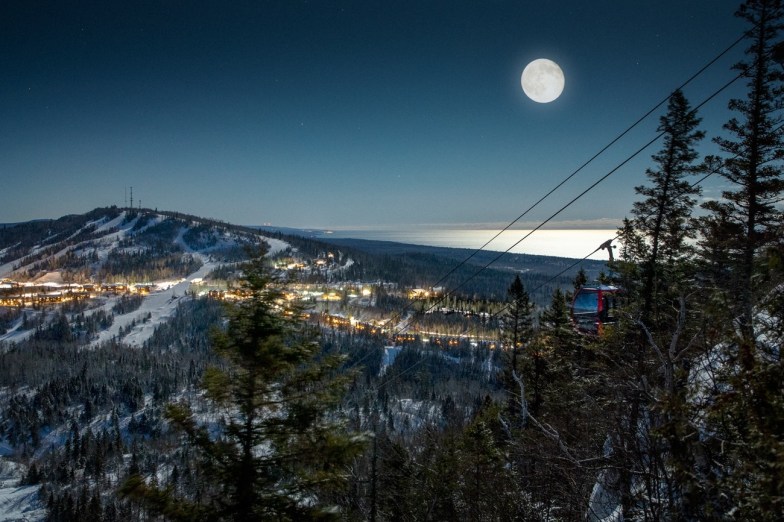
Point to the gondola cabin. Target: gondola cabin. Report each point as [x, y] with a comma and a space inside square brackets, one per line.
[594, 306]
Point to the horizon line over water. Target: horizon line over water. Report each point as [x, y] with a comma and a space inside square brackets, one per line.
[574, 243]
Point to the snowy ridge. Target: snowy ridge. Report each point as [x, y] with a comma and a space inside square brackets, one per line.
[115, 233]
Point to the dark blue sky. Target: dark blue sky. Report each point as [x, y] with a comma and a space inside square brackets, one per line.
[340, 113]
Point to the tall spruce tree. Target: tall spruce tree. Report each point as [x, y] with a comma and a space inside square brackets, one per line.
[280, 452]
[746, 442]
[663, 219]
[651, 271]
[753, 165]
[579, 280]
[552, 355]
[662, 216]
[516, 330]
[556, 317]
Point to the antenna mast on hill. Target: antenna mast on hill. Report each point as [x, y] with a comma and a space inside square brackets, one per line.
[125, 197]
[131, 197]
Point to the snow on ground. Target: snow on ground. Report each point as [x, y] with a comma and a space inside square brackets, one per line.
[275, 245]
[404, 323]
[390, 354]
[160, 305]
[181, 242]
[50, 277]
[18, 503]
[90, 225]
[14, 334]
[157, 220]
[5, 448]
[6, 249]
[488, 365]
[8, 268]
[114, 223]
[416, 413]
[604, 505]
[450, 358]
[95, 223]
[107, 242]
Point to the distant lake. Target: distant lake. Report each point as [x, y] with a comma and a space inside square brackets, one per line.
[576, 243]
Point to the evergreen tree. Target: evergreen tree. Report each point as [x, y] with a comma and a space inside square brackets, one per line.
[753, 165]
[516, 331]
[746, 417]
[633, 252]
[656, 345]
[486, 487]
[557, 338]
[551, 354]
[281, 453]
[662, 217]
[580, 279]
[648, 343]
[556, 317]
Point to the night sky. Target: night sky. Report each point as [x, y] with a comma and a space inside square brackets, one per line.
[343, 113]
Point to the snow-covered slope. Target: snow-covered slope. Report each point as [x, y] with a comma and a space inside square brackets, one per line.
[158, 306]
[165, 252]
[30, 250]
[18, 502]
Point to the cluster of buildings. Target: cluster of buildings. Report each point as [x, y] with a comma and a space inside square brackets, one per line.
[15, 293]
[325, 260]
[316, 293]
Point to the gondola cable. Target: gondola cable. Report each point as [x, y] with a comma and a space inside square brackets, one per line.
[592, 158]
[591, 187]
[407, 321]
[581, 194]
[617, 236]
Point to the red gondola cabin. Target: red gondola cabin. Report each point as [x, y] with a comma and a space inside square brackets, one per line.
[594, 306]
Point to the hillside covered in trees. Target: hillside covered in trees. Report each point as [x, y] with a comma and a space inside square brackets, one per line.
[108, 317]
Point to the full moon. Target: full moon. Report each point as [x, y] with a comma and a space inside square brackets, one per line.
[542, 80]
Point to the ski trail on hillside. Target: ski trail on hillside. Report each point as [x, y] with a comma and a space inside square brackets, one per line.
[390, 354]
[159, 305]
[106, 242]
[275, 245]
[112, 223]
[15, 335]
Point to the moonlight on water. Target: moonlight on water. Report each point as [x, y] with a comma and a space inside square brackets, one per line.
[542, 80]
